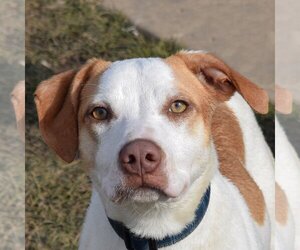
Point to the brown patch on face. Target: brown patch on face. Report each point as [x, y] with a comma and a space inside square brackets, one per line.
[281, 205]
[228, 139]
[190, 87]
[87, 93]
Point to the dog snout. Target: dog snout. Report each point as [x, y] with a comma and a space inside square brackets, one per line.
[140, 156]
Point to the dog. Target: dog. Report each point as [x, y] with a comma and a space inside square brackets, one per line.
[175, 154]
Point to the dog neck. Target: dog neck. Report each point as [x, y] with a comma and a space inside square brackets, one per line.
[133, 241]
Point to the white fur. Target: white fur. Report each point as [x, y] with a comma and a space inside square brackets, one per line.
[258, 156]
[136, 90]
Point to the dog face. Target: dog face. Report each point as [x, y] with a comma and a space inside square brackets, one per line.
[142, 126]
[146, 135]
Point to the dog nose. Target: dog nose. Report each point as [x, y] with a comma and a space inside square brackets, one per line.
[140, 156]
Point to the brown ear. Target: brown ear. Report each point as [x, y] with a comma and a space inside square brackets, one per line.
[57, 102]
[224, 81]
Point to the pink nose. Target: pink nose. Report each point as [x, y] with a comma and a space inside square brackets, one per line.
[140, 157]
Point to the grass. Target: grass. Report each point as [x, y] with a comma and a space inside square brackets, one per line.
[62, 35]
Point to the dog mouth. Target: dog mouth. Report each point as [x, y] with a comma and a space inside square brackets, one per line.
[141, 194]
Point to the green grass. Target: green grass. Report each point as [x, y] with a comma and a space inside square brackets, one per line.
[56, 199]
[62, 35]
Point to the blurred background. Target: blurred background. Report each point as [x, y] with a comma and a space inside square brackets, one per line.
[288, 64]
[12, 174]
[63, 34]
[287, 102]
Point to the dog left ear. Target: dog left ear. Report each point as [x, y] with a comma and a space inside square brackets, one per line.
[57, 102]
[223, 81]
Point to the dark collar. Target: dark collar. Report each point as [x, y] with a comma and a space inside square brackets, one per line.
[134, 242]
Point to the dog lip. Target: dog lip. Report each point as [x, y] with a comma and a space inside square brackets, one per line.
[154, 188]
[161, 191]
[124, 194]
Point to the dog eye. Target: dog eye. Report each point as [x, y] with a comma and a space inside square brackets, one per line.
[99, 113]
[178, 107]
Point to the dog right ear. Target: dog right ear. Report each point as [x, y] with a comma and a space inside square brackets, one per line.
[57, 102]
[223, 81]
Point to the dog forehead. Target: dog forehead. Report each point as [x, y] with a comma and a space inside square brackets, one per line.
[141, 77]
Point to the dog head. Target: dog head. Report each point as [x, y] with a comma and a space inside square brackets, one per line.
[142, 126]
